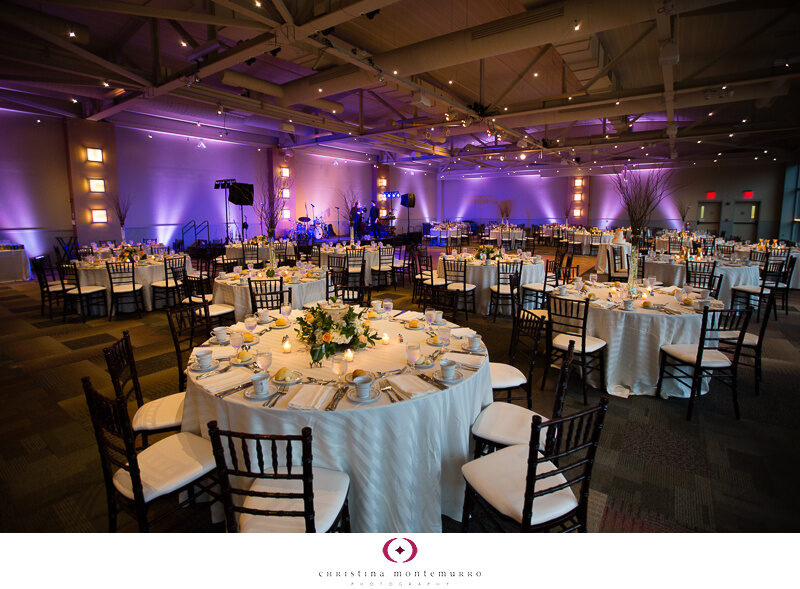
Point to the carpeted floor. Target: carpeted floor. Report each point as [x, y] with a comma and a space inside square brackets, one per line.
[655, 471]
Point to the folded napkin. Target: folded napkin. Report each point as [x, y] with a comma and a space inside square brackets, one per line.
[217, 352]
[602, 304]
[681, 309]
[311, 396]
[465, 359]
[226, 380]
[462, 332]
[412, 315]
[411, 385]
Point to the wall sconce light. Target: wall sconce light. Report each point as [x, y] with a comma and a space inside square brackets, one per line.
[577, 197]
[99, 215]
[578, 182]
[94, 154]
[285, 192]
[285, 214]
[97, 185]
[382, 182]
[577, 212]
[284, 172]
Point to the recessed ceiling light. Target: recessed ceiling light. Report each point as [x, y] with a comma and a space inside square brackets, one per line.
[394, 72]
[184, 43]
[449, 81]
[74, 100]
[319, 89]
[106, 84]
[617, 103]
[744, 120]
[72, 34]
[730, 135]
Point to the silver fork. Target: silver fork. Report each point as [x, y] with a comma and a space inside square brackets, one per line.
[215, 372]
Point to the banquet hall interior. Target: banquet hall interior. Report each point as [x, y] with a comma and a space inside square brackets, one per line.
[399, 265]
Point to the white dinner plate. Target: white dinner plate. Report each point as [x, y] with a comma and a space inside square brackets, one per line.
[282, 326]
[250, 361]
[195, 367]
[253, 342]
[296, 377]
[414, 328]
[423, 366]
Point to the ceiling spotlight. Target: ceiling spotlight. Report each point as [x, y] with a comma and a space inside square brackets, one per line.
[38, 120]
[274, 52]
[71, 34]
[319, 89]
[569, 98]
[505, 108]
[74, 100]
[449, 81]
[765, 151]
[730, 135]
[744, 120]
[258, 4]
[616, 103]
[699, 141]
[535, 74]
[149, 136]
[183, 43]
[394, 72]
[715, 161]
[197, 123]
[786, 64]
[719, 153]
[250, 61]
[711, 114]
[724, 87]
[522, 156]
[219, 109]
[371, 14]
[106, 84]
[576, 25]
[755, 158]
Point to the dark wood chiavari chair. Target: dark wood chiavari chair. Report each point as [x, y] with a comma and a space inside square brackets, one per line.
[699, 273]
[752, 344]
[691, 364]
[51, 291]
[383, 274]
[273, 493]
[268, 294]
[85, 251]
[134, 480]
[617, 270]
[743, 294]
[122, 281]
[189, 326]
[507, 483]
[460, 294]
[85, 295]
[168, 289]
[431, 286]
[501, 292]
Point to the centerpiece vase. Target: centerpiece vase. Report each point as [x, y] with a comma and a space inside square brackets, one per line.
[271, 253]
[352, 234]
[317, 352]
[633, 265]
[122, 232]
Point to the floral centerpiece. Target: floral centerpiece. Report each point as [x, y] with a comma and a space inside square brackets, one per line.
[258, 240]
[595, 230]
[487, 252]
[126, 255]
[332, 328]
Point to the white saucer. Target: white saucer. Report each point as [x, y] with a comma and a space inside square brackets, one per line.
[256, 339]
[414, 328]
[441, 343]
[195, 367]
[216, 342]
[422, 366]
[466, 348]
[248, 363]
[282, 326]
[250, 393]
[374, 395]
[442, 322]
[437, 374]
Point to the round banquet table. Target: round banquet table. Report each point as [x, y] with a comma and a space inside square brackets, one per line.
[733, 274]
[234, 251]
[404, 459]
[483, 276]
[634, 339]
[371, 257]
[497, 234]
[144, 273]
[232, 292]
[586, 237]
[602, 257]
[794, 283]
[441, 235]
[14, 265]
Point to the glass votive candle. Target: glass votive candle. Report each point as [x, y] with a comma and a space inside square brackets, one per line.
[348, 354]
[385, 339]
[287, 346]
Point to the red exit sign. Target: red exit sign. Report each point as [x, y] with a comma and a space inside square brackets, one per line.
[711, 195]
[747, 194]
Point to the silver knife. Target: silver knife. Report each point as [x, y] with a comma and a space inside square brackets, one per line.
[335, 403]
[400, 313]
[225, 393]
[428, 379]
[215, 372]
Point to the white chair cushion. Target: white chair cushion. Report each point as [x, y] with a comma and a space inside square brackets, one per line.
[561, 341]
[773, 284]
[506, 424]
[125, 287]
[505, 376]
[216, 310]
[501, 288]
[168, 464]
[750, 339]
[381, 269]
[198, 299]
[499, 478]
[163, 283]
[687, 353]
[749, 288]
[434, 281]
[88, 289]
[354, 269]
[165, 412]
[330, 492]
[461, 286]
[400, 263]
[55, 286]
[536, 286]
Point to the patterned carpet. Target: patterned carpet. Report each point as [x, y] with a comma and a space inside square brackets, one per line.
[655, 471]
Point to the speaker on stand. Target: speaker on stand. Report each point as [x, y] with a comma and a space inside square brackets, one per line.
[408, 201]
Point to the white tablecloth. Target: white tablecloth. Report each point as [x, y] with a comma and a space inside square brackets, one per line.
[371, 257]
[634, 339]
[483, 277]
[404, 459]
[440, 236]
[145, 273]
[497, 234]
[671, 273]
[235, 251]
[744, 253]
[586, 238]
[14, 265]
[232, 293]
[602, 256]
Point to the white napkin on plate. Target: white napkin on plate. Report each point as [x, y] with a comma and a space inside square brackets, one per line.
[603, 304]
[462, 332]
[465, 359]
[411, 385]
[217, 352]
[311, 396]
[226, 380]
[412, 315]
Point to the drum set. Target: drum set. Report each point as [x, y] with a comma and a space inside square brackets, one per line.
[305, 229]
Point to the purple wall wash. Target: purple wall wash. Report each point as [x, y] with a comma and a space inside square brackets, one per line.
[171, 180]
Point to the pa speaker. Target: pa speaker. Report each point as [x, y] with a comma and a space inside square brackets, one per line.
[408, 200]
[241, 194]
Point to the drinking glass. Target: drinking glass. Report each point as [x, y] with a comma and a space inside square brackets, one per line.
[412, 355]
[264, 360]
[237, 339]
[286, 310]
[250, 322]
[339, 366]
[430, 315]
[444, 334]
[593, 278]
[250, 265]
[388, 305]
[651, 281]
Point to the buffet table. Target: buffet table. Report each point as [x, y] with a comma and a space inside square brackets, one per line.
[14, 265]
[404, 459]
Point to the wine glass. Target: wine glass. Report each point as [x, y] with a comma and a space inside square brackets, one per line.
[250, 322]
[412, 355]
[250, 265]
[264, 360]
[286, 311]
[339, 366]
[237, 339]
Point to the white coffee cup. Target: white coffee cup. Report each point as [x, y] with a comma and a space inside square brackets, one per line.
[562, 290]
[220, 334]
[628, 304]
[475, 342]
[377, 305]
[704, 293]
[448, 368]
[243, 281]
[204, 358]
[260, 383]
[363, 386]
[263, 316]
[237, 269]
